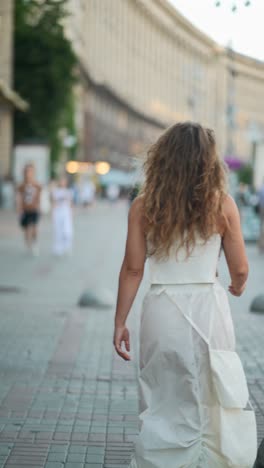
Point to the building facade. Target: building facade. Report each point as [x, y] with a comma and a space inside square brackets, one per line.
[144, 67]
[8, 98]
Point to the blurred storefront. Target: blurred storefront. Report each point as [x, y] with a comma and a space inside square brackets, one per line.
[113, 129]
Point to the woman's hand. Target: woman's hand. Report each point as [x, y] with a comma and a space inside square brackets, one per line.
[121, 335]
[236, 291]
[234, 248]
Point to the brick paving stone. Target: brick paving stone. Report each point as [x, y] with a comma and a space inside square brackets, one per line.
[115, 465]
[17, 465]
[57, 457]
[74, 465]
[93, 465]
[76, 457]
[59, 448]
[62, 436]
[95, 449]
[77, 449]
[26, 461]
[96, 437]
[94, 458]
[54, 465]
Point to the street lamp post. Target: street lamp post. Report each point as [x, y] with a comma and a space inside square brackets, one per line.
[255, 137]
[234, 5]
[231, 107]
[68, 141]
[231, 84]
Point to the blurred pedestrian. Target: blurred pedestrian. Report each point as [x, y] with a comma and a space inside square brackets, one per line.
[261, 215]
[88, 191]
[112, 192]
[7, 193]
[133, 193]
[241, 197]
[61, 200]
[75, 193]
[28, 207]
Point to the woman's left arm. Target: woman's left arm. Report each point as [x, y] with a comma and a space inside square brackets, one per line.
[131, 275]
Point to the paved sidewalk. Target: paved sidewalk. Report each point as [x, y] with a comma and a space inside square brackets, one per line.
[66, 400]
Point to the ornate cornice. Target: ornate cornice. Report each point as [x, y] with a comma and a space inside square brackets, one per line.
[106, 91]
[168, 18]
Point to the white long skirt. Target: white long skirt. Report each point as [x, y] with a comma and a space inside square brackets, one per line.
[195, 410]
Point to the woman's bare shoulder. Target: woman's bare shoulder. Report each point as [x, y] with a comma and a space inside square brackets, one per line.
[137, 207]
[229, 214]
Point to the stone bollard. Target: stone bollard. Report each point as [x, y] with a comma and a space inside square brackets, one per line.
[98, 299]
[259, 463]
[257, 305]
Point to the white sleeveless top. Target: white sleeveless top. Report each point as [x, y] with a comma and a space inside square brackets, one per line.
[199, 267]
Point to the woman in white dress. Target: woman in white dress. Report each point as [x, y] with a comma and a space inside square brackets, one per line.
[61, 198]
[194, 405]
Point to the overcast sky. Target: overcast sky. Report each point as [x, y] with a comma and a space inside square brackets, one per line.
[245, 28]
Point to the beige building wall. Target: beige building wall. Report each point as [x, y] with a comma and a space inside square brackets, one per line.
[6, 127]
[166, 69]
[249, 103]
[75, 29]
[150, 57]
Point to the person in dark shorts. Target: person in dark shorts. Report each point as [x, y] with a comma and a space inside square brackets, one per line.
[28, 207]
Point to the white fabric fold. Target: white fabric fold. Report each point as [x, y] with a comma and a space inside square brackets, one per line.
[229, 378]
[192, 384]
[238, 431]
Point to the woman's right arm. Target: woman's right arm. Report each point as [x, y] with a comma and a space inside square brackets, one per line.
[234, 248]
[131, 275]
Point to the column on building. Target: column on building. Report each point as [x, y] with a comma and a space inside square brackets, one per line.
[6, 107]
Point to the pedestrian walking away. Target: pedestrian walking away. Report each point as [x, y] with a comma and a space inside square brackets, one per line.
[61, 198]
[28, 207]
[194, 404]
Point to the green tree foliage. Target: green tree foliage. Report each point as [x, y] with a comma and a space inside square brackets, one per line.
[44, 71]
[245, 174]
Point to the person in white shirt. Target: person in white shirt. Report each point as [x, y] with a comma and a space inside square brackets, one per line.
[113, 192]
[61, 198]
[88, 192]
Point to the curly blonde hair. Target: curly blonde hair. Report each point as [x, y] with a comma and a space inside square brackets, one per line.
[185, 183]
